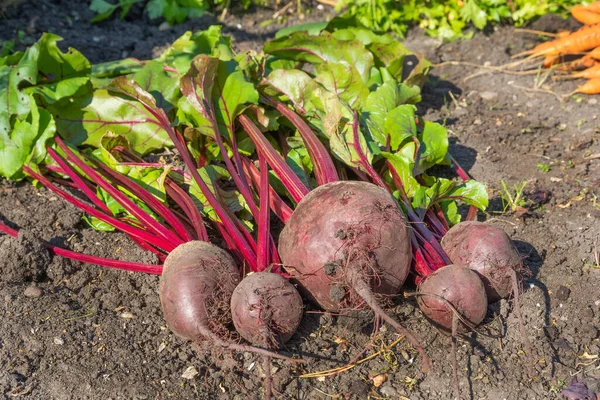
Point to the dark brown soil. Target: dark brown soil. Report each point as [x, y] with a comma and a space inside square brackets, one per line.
[72, 331]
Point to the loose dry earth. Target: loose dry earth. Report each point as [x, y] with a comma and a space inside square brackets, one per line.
[72, 331]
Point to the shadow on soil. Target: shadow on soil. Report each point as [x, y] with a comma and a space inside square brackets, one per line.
[437, 94]
[533, 261]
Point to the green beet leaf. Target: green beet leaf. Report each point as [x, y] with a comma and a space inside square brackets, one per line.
[59, 75]
[292, 84]
[382, 101]
[216, 93]
[89, 118]
[301, 46]
[400, 125]
[161, 84]
[26, 141]
[211, 42]
[403, 166]
[345, 81]
[433, 146]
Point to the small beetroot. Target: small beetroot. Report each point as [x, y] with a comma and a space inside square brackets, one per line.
[266, 309]
[457, 286]
[488, 251]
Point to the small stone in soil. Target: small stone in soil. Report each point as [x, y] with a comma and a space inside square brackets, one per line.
[33, 291]
[488, 95]
[563, 293]
[189, 373]
[58, 341]
[165, 26]
[389, 391]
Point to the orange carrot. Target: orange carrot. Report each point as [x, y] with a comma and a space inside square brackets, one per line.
[551, 60]
[581, 63]
[590, 87]
[562, 34]
[585, 15]
[585, 38]
[595, 7]
[589, 60]
[595, 54]
[588, 73]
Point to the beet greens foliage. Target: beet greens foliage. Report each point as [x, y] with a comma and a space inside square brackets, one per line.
[334, 102]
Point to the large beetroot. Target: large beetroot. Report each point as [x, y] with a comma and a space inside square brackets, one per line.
[342, 232]
[345, 241]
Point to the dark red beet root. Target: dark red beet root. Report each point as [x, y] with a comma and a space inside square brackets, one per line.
[449, 297]
[345, 241]
[266, 309]
[459, 286]
[196, 285]
[488, 251]
[344, 224]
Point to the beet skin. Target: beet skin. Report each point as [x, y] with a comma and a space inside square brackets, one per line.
[195, 287]
[459, 286]
[488, 251]
[266, 309]
[342, 225]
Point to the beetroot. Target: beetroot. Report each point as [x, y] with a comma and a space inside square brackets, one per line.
[453, 299]
[344, 241]
[266, 309]
[340, 230]
[457, 286]
[488, 251]
[197, 277]
[196, 285]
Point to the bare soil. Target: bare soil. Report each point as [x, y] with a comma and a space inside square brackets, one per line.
[73, 331]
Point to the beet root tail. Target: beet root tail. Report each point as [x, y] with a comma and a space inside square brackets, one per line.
[268, 380]
[522, 332]
[455, 321]
[207, 333]
[364, 291]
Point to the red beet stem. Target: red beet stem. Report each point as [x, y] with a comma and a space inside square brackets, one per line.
[293, 184]
[263, 216]
[325, 171]
[105, 262]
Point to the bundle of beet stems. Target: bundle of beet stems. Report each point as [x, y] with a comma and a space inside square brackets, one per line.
[200, 288]
[339, 155]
